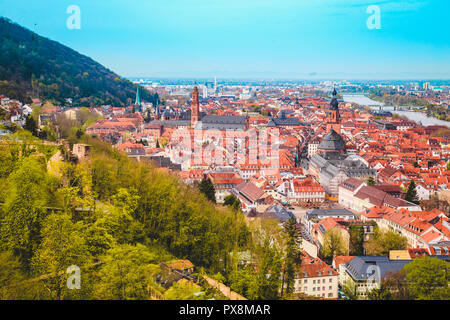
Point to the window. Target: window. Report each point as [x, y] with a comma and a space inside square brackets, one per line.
[314, 281]
[331, 280]
[318, 288]
[329, 288]
[323, 281]
[305, 281]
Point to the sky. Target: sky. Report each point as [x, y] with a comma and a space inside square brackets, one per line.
[259, 39]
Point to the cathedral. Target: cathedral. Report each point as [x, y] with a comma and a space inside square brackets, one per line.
[211, 122]
[332, 165]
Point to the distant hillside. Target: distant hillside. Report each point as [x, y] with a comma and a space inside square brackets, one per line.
[33, 66]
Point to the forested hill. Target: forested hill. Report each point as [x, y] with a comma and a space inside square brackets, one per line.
[32, 66]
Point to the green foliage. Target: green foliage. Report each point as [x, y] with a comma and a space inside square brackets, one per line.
[370, 181]
[428, 278]
[230, 200]
[24, 209]
[35, 66]
[62, 246]
[31, 125]
[356, 240]
[269, 271]
[104, 208]
[333, 244]
[207, 188]
[397, 286]
[293, 256]
[184, 290]
[385, 241]
[349, 289]
[411, 193]
[382, 293]
[127, 273]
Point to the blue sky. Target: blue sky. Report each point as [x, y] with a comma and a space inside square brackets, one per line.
[267, 39]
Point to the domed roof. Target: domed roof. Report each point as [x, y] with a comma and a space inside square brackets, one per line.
[334, 103]
[332, 141]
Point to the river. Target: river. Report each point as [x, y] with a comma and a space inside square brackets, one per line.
[412, 115]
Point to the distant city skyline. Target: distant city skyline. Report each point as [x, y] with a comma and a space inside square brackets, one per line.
[252, 39]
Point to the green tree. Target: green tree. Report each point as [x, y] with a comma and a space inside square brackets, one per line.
[207, 188]
[411, 193]
[229, 200]
[381, 293]
[428, 278]
[397, 286]
[356, 240]
[127, 273]
[10, 275]
[293, 257]
[349, 289]
[62, 246]
[269, 271]
[14, 283]
[385, 241]
[31, 125]
[24, 209]
[184, 290]
[333, 244]
[371, 181]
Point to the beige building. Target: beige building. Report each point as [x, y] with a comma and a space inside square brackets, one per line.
[316, 278]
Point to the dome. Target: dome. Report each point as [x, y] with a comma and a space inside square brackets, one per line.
[334, 103]
[332, 141]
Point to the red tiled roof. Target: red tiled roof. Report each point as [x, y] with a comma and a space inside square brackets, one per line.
[314, 267]
[250, 191]
[341, 259]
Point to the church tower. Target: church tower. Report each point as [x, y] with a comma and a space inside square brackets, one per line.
[137, 103]
[157, 113]
[195, 107]
[334, 118]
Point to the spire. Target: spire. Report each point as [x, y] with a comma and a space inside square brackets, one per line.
[157, 106]
[137, 103]
[334, 104]
[195, 107]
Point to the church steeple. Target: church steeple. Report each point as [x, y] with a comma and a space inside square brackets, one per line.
[195, 107]
[137, 103]
[334, 118]
[157, 107]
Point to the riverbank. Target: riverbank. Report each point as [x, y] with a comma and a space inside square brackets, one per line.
[415, 116]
